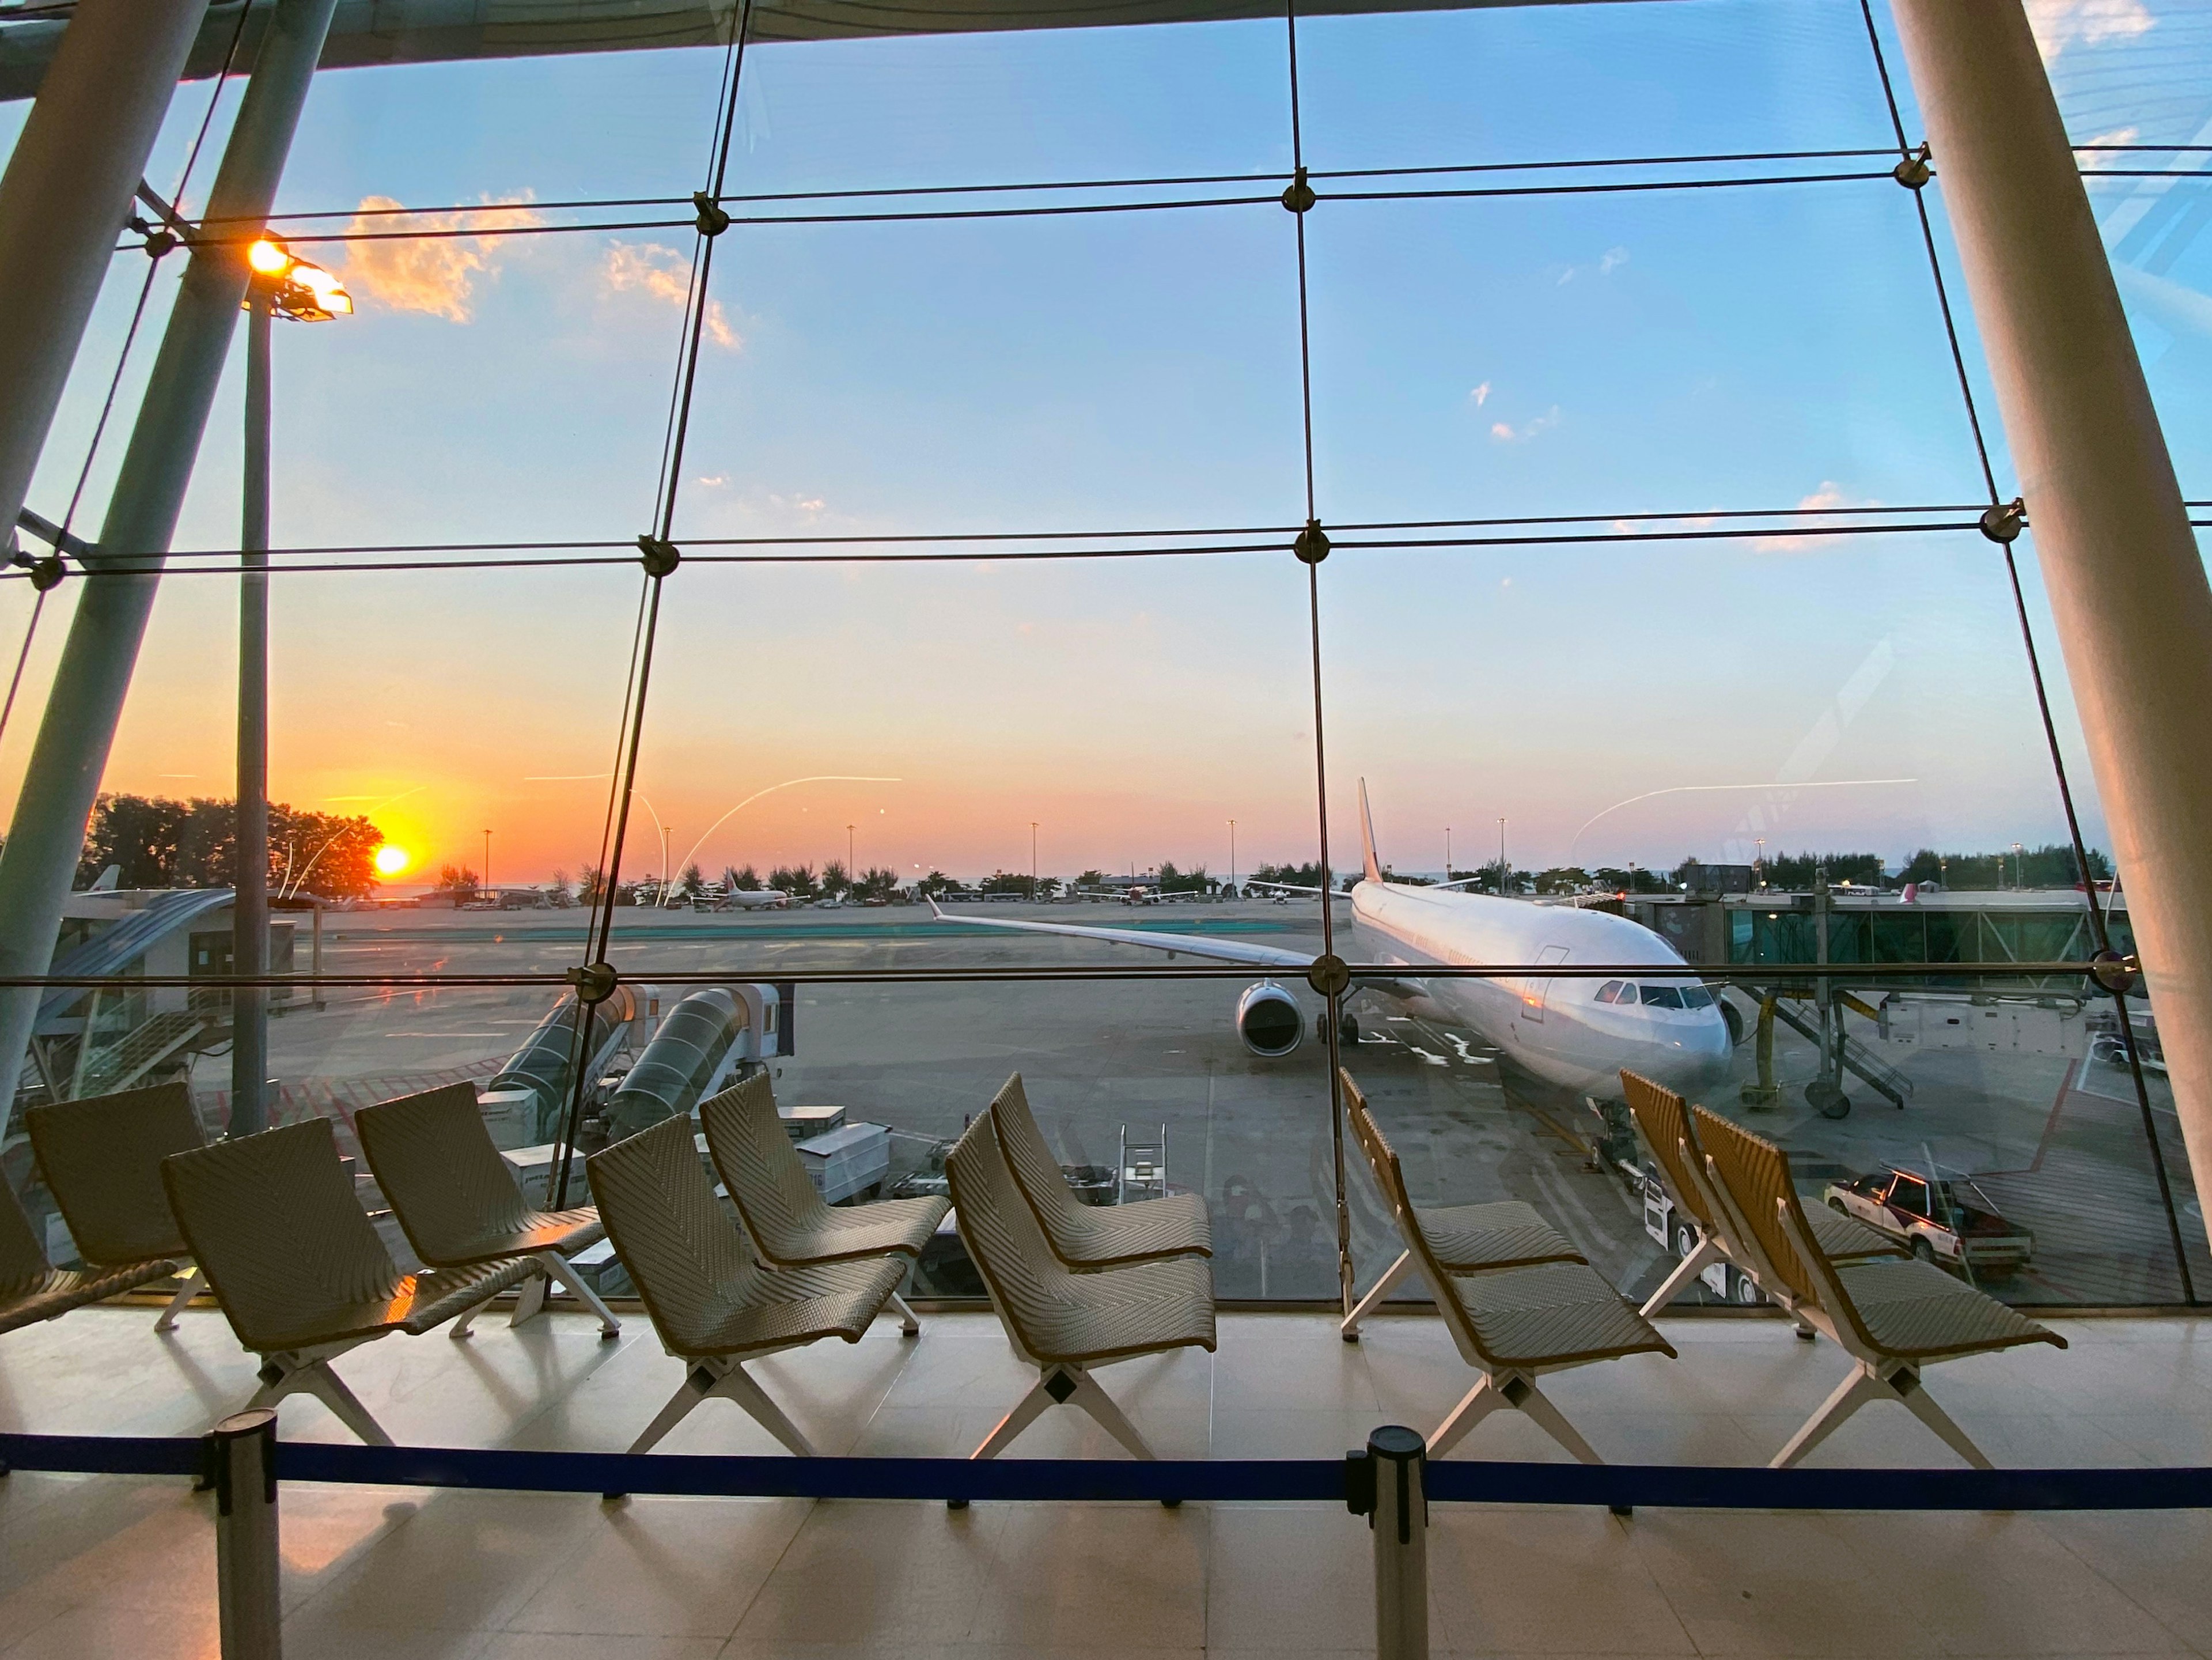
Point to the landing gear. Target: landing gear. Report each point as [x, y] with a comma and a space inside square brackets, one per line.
[1347, 1030]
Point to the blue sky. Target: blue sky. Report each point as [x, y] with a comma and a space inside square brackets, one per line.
[1678, 351]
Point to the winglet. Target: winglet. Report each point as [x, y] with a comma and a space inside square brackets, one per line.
[929, 899]
[1367, 835]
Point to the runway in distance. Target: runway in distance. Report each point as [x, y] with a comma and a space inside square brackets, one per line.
[1578, 1033]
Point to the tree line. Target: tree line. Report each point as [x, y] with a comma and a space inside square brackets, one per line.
[156, 842]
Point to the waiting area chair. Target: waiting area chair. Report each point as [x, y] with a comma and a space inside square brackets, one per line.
[101, 1157]
[32, 1289]
[1060, 1322]
[713, 1303]
[1088, 1237]
[1892, 1316]
[298, 1267]
[792, 1225]
[1664, 1119]
[1465, 1238]
[1512, 1323]
[460, 1207]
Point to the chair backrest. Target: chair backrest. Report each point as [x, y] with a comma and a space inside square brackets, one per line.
[1390, 1177]
[760, 1167]
[102, 1158]
[440, 1172]
[688, 1259]
[1755, 1174]
[272, 1221]
[1003, 1237]
[23, 1265]
[1036, 1174]
[1664, 1118]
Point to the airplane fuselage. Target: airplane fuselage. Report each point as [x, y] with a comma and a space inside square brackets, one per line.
[1655, 1017]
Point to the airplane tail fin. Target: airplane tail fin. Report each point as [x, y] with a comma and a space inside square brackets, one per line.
[1367, 837]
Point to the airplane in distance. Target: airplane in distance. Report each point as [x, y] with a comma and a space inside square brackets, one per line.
[751, 899]
[1657, 1019]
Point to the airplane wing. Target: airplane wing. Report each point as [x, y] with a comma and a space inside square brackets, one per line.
[1223, 950]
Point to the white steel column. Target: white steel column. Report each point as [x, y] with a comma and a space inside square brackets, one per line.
[2119, 562]
[63, 200]
[38, 860]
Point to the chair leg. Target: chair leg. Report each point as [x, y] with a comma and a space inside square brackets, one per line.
[529, 1301]
[1350, 1329]
[559, 1267]
[1094, 1400]
[1522, 1393]
[1906, 1385]
[728, 1379]
[1476, 1405]
[1854, 1392]
[1687, 1270]
[282, 1375]
[192, 1287]
[1026, 1412]
[909, 1321]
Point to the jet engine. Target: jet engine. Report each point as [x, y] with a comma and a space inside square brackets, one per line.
[1269, 1019]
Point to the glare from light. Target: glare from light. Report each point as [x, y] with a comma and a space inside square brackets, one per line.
[269, 258]
[331, 295]
[392, 859]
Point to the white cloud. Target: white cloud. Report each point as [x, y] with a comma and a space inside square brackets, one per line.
[665, 274]
[2118, 135]
[436, 275]
[1829, 498]
[1506, 433]
[1610, 260]
[1480, 394]
[2059, 24]
[714, 483]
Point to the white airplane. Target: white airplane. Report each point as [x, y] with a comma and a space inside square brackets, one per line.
[1656, 1018]
[752, 899]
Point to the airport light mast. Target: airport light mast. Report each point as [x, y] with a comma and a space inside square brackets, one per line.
[1232, 853]
[278, 285]
[1033, 862]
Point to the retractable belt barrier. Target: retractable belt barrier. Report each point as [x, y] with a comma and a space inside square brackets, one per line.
[1076, 1480]
[1389, 1481]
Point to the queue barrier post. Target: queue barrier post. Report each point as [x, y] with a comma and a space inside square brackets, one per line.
[241, 1453]
[1386, 1482]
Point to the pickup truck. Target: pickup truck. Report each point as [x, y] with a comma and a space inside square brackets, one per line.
[1950, 1223]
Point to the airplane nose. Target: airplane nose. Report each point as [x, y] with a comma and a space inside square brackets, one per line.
[1701, 1060]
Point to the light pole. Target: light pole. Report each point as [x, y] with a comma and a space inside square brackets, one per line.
[1033, 862]
[486, 884]
[1503, 869]
[1760, 862]
[1447, 853]
[2019, 867]
[1232, 853]
[661, 899]
[280, 286]
[851, 875]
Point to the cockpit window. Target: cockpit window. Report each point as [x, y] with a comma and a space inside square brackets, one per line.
[1695, 997]
[1611, 991]
[1664, 997]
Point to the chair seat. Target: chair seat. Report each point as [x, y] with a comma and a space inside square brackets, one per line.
[562, 1232]
[63, 1289]
[418, 1302]
[841, 1233]
[1144, 1308]
[1114, 1236]
[1842, 1237]
[1555, 1314]
[788, 1307]
[1495, 1235]
[1913, 1310]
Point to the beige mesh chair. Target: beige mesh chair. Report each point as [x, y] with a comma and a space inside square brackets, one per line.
[297, 1266]
[101, 1157]
[1467, 1238]
[32, 1289]
[1664, 1119]
[1062, 1322]
[710, 1299]
[1515, 1323]
[790, 1223]
[1086, 1237]
[459, 1203]
[1893, 1317]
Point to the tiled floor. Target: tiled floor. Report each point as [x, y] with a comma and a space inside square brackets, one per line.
[93, 1567]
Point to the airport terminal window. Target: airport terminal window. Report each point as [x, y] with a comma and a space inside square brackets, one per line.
[1093, 474]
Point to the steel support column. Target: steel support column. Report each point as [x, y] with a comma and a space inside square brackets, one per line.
[63, 202]
[249, 933]
[2126, 581]
[47, 837]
